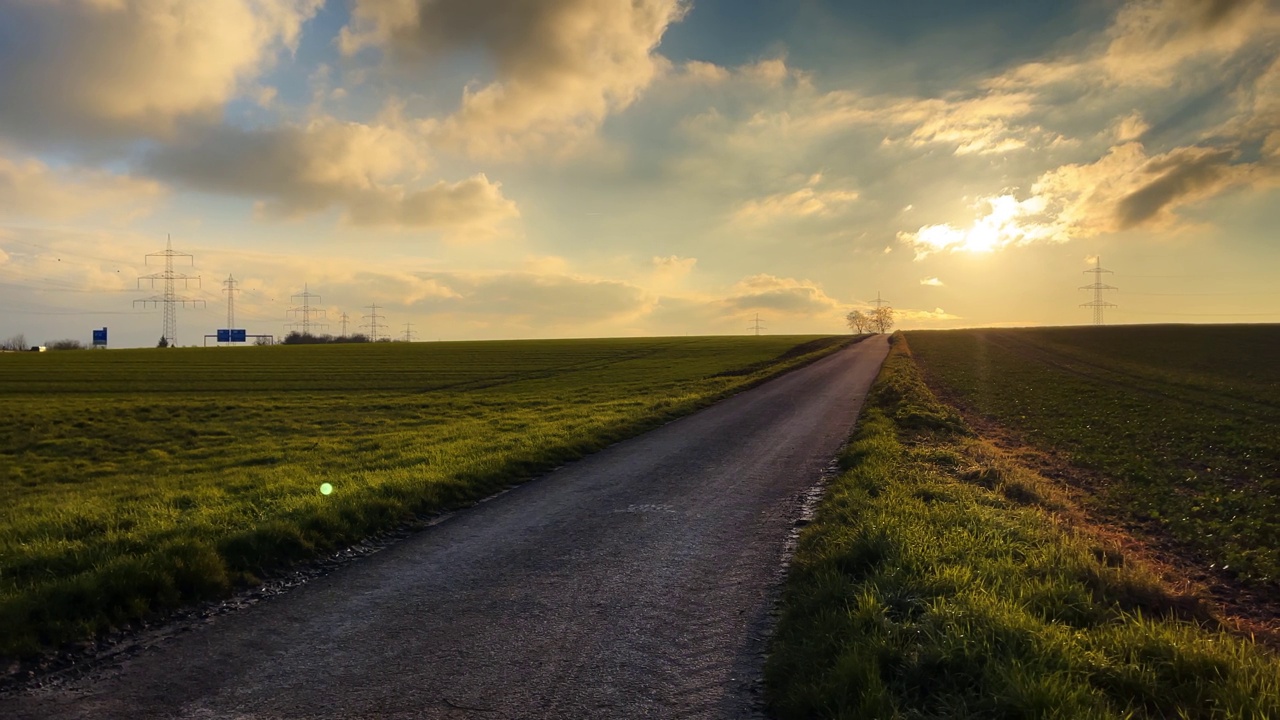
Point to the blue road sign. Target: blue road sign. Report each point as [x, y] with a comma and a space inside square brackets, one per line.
[224, 336]
[238, 336]
[100, 337]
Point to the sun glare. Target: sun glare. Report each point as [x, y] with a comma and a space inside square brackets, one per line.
[1007, 222]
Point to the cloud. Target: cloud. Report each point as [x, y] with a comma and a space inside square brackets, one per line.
[1153, 43]
[1150, 41]
[924, 318]
[973, 125]
[30, 188]
[125, 68]
[1006, 222]
[1122, 190]
[807, 202]
[935, 314]
[561, 66]
[779, 294]
[538, 303]
[367, 170]
[931, 282]
[673, 266]
[1126, 188]
[474, 203]
[1130, 127]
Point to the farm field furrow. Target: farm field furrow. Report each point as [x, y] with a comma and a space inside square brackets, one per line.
[140, 480]
[1180, 421]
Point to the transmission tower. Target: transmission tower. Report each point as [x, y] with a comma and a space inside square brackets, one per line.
[343, 319]
[409, 334]
[1097, 287]
[374, 325]
[878, 302]
[755, 325]
[229, 287]
[170, 300]
[305, 312]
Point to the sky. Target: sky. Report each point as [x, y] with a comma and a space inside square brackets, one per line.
[482, 169]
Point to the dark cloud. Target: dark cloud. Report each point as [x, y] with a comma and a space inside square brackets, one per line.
[1214, 12]
[561, 65]
[90, 73]
[1187, 172]
[297, 170]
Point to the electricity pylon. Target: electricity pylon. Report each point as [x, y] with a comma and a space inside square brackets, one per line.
[1097, 287]
[374, 325]
[229, 287]
[755, 325]
[170, 300]
[305, 311]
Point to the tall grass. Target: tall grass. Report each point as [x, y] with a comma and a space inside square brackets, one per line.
[138, 481]
[939, 580]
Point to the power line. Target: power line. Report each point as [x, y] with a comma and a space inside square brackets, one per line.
[409, 334]
[343, 319]
[1098, 304]
[305, 311]
[170, 300]
[374, 325]
[755, 325]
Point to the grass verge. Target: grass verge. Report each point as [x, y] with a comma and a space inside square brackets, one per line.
[939, 579]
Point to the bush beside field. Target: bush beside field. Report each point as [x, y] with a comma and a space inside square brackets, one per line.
[940, 580]
[140, 481]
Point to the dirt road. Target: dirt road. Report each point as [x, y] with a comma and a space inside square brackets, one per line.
[636, 583]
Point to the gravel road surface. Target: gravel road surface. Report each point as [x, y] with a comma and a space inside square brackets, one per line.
[636, 583]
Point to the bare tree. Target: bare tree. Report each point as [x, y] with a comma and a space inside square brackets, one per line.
[67, 344]
[15, 342]
[882, 318]
[858, 321]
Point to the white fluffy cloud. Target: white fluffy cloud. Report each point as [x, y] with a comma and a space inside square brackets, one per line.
[561, 66]
[88, 68]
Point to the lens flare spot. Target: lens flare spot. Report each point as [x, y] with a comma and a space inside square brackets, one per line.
[325, 488]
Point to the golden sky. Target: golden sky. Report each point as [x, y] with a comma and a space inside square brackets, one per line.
[570, 168]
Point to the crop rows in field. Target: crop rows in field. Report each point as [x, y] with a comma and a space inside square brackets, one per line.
[140, 480]
[1181, 420]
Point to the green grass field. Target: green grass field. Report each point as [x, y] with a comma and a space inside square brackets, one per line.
[139, 480]
[1181, 421]
[942, 579]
